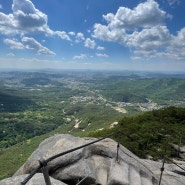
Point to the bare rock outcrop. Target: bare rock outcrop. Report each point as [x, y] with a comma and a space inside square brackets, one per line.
[36, 180]
[97, 164]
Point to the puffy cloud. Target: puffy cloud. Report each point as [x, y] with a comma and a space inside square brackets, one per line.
[79, 37]
[63, 35]
[89, 43]
[31, 43]
[104, 33]
[164, 45]
[27, 16]
[145, 14]
[26, 6]
[81, 56]
[71, 33]
[7, 24]
[149, 38]
[143, 30]
[31, 22]
[28, 43]
[126, 20]
[181, 35]
[14, 44]
[27, 19]
[176, 48]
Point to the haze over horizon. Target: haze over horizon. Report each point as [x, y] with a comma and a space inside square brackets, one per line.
[143, 35]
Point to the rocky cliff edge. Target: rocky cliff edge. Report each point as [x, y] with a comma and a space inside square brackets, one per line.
[96, 164]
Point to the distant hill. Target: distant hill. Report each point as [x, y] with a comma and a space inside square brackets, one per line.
[9, 102]
[161, 90]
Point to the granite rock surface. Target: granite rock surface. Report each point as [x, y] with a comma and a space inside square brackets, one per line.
[98, 164]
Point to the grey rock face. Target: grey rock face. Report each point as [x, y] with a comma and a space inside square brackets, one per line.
[38, 179]
[96, 164]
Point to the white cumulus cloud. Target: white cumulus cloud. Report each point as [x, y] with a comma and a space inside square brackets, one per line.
[62, 34]
[14, 44]
[31, 43]
[71, 33]
[79, 37]
[28, 43]
[143, 30]
[89, 43]
[150, 38]
[26, 18]
[144, 15]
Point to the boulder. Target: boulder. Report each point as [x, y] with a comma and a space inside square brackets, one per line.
[98, 164]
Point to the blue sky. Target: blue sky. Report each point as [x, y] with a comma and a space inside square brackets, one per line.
[93, 34]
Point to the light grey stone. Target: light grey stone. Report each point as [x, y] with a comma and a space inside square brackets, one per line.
[96, 164]
[38, 179]
[119, 173]
[146, 181]
[135, 178]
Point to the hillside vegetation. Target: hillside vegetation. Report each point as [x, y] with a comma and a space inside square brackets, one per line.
[148, 134]
[152, 133]
[35, 105]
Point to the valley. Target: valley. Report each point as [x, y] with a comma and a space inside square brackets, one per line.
[34, 103]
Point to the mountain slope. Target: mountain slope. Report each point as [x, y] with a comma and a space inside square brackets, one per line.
[152, 132]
